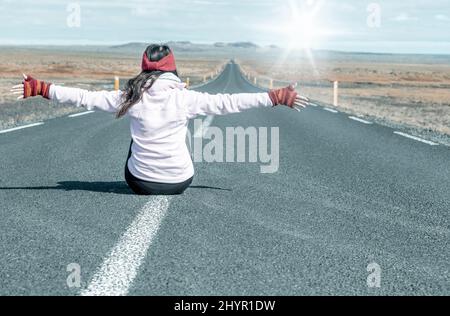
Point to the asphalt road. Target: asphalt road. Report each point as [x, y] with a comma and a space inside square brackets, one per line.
[346, 195]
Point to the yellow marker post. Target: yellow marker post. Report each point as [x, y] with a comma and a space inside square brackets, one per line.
[116, 83]
[188, 82]
[271, 84]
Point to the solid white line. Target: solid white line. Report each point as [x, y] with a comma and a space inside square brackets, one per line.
[119, 269]
[20, 127]
[354, 118]
[330, 110]
[417, 139]
[313, 104]
[81, 114]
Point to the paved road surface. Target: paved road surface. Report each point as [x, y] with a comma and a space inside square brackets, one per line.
[347, 194]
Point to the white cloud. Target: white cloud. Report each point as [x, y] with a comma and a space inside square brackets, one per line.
[442, 17]
[404, 17]
[218, 20]
[349, 7]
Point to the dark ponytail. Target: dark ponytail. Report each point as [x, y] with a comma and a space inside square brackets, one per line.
[135, 87]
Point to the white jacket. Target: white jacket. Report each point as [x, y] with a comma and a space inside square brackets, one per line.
[159, 122]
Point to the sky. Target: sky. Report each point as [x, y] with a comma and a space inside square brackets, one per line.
[411, 26]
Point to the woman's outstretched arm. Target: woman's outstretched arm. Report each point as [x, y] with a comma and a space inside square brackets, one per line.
[108, 101]
[221, 104]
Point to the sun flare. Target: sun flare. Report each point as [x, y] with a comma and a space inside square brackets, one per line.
[302, 33]
[303, 29]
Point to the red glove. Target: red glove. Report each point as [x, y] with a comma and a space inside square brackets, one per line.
[33, 87]
[285, 96]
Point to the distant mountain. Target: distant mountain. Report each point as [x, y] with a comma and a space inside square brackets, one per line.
[188, 47]
[132, 45]
[187, 44]
[243, 45]
[181, 46]
[220, 44]
[180, 43]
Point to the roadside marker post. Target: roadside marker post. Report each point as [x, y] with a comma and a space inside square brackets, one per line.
[271, 84]
[116, 83]
[188, 82]
[336, 94]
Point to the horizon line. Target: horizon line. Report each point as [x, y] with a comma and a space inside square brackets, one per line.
[258, 46]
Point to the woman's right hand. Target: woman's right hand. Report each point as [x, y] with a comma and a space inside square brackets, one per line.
[289, 97]
[31, 87]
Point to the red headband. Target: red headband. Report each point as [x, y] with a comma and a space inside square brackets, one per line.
[165, 64]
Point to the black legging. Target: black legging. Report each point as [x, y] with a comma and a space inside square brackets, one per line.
[142, 187]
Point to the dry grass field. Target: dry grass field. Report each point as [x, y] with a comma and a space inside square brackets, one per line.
[413, 91]
[94, 70]
[414, 94]
[85, 68]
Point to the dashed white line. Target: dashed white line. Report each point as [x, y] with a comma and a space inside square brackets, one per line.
[119, 269]
[81, 114]
[354, 118]
[313, 104]
[20, 127]
[201, 132]
[330, 110]
[417, 139]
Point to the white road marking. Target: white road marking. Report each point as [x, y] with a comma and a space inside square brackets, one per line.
[354, 118]
[417, 139]
[330, 110]
[81, 114]
[313, 104]
[20, 127]
[119, 269]
[201, 132]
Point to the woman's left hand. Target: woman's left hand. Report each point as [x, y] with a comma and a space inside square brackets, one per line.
[289, 97]
[300, 102]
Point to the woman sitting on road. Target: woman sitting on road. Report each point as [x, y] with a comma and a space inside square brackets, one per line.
[160, 107]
